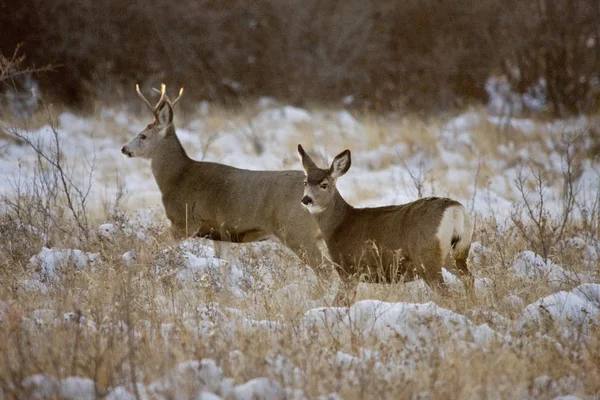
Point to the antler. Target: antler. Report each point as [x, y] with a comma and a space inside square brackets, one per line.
[174, 101]
[139, 92]
[178, 97]
[163, 89]
[163, 92]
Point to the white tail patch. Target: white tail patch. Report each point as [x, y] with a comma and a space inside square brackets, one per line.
[455, 230]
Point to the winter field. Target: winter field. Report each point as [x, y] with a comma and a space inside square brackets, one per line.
[98, 301]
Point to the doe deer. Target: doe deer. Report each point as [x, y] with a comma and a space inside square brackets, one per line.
[386, 243]
[221, 202]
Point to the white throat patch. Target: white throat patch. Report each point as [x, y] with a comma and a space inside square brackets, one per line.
[313, 209]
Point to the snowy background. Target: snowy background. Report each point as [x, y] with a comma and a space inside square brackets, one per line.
[243, 322]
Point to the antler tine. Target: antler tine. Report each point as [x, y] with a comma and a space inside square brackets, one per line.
[178, 97]
[163, 91]
[174, 101]
[139, 92]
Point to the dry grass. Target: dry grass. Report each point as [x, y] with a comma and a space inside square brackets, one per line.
[114, 293]
[35, 338]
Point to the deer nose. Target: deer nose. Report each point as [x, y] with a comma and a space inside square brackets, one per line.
[125, 151]
[307, 200]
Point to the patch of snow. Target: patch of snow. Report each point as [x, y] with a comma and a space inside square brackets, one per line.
[461, 123]
[451, 158]
[40, 387]
[413, 323]
[502, 100]
[326, 319]
[479, 254]
[226, 387]
[49, 261]
[532, 266]
[33, 286]
[77, 388]
[129, 257]
[207, 396]
[119, 393]
[187, 379]
[513, 302]
[294, 394]
[330, 396]
[590, 292]
[287, 113]
[45, 316]
[347, 121]
[284, 370]
[416, 324]
[258, 389]
[546, 387]
[348, 100]
[107, 230]
[570, 313]
[266, 102]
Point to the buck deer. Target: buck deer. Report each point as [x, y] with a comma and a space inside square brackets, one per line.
[386, 243]
[218, 201]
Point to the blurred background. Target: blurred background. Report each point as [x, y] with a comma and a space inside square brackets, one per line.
[413, 55]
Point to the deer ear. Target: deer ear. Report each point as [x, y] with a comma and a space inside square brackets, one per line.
[340, 165]
[164, 113]
[307, 162]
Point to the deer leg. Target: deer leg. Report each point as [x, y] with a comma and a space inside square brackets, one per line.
[177, 232]
[429, 266]
[208, 233]
[460, 258]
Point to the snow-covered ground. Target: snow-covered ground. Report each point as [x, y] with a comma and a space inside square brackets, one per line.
[222, 295]
[447, 157]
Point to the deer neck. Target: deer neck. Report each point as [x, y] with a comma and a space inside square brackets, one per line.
[330, 219]
[169, 161]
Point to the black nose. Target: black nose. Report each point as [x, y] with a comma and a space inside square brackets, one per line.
[125, 152]
[306, 200]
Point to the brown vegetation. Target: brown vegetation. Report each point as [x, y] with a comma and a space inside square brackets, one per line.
[419, 54]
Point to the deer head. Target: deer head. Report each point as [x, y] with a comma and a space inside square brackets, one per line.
[146, 142]
[319, 184]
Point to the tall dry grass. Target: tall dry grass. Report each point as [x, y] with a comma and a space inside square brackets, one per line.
[122, 323]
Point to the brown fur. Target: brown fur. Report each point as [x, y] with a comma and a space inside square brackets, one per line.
[384, 244]
[222, 202]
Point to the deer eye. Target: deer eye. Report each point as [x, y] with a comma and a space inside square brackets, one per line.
[142, 136]
[324, 186]
[305, 183]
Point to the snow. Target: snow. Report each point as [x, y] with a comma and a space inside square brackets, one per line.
[513, 302]
[77, 388]
[107, 230]
[258, 389]
[479, 255]
[33, 286]
[129, 257]
[529, 265]
[187, 379]
[49, 262]
[571, 313]
[379, 176]
[414, 324]
[119, 393]
[207, 396]
[288, 114]
[40, 387]
[277, 129]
